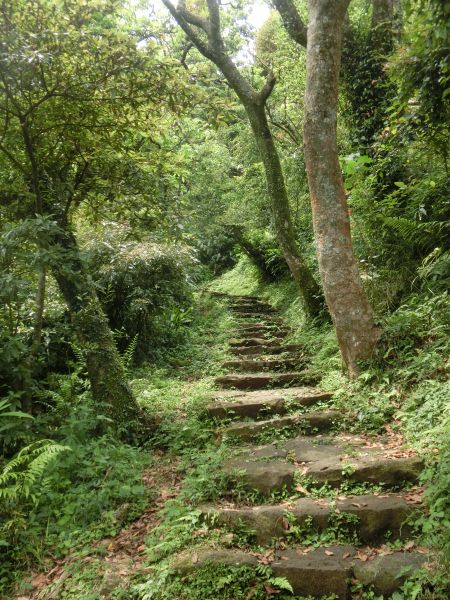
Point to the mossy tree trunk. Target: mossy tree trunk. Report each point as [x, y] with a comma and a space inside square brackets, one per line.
[104, 366]
[205, 34]
[346, 298]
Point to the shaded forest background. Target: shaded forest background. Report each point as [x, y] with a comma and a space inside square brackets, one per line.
[131, 182]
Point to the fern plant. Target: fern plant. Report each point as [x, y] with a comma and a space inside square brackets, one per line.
[21, 475]
[128, 355]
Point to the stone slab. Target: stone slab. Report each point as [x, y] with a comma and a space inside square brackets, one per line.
[321, 572]
[266, 349]
[387, 573]
[324, 462]
[260, 381]
[256, 365]
[252, 341]
[376, 516]
[257, 403]
[246, 431]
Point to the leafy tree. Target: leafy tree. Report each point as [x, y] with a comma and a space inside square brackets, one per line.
[76, 100]
[205, 33]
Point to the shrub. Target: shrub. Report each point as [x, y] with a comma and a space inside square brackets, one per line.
[145, 290]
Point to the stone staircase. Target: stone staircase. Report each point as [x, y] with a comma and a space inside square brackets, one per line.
[287, 439]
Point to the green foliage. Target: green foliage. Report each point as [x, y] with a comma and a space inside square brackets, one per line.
[146, 291]
[61, 495]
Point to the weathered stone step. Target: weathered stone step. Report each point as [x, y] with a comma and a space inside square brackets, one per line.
[251, 366]
[265, 349]
[233, 297]
[254, 404]
[267, 326]
[262, 331]
[253, 308]
[260, 381]
[322, 460]
[268, 337]
[260, 316]
[251, 342]
[376, 516]
[246, 431]
[320, 572]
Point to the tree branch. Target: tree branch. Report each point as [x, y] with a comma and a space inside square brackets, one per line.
[191, 33]
[215, 36]
[186, 50]
[193, 19]
[292, 21]
[266, 90]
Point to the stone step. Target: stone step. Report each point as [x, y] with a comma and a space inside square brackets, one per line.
[266, 349]
[262, 326]
[260, 381]
[251, 342]
[266, 317]
[252, 308]
[376, 516]
[251, 366]
[262, 330]
[323, 459]
[254, 404]
[233, 297]
[324, 571]
[246, 431]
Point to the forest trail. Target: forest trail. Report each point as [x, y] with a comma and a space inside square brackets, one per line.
[288, 437]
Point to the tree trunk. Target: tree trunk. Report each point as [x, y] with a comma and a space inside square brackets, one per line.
[344, 293]
[104, 366]
[382, 13]
[27, 404]
[254, 103]
[310, 292]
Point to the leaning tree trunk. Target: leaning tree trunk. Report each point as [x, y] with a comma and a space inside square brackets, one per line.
[206, 35]
[105, 369]
[344, 293]
[310, 292]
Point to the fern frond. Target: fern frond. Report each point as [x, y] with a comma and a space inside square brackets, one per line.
[128, 355]
[22, 472]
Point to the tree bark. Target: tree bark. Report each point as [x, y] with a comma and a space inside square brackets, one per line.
[105, 369]
[310, 292]
[344, 293]
[382, 13]
[196, 28]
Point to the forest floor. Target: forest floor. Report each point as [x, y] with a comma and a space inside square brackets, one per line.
[258, 489]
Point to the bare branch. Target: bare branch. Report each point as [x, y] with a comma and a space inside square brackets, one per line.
[215, 37]
[193, 19]
[286, 127]
[191, 33]
[292, 21]
[214, 49]
[187, 48]
[267, 88]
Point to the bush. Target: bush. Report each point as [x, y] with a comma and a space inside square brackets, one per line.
[146, 292]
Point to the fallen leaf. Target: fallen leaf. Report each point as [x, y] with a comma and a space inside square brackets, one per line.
[409, 545]
[270, 590]
[285, 524]
[329, 553]
[346, 555]
[194, 558]
[302, 490]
